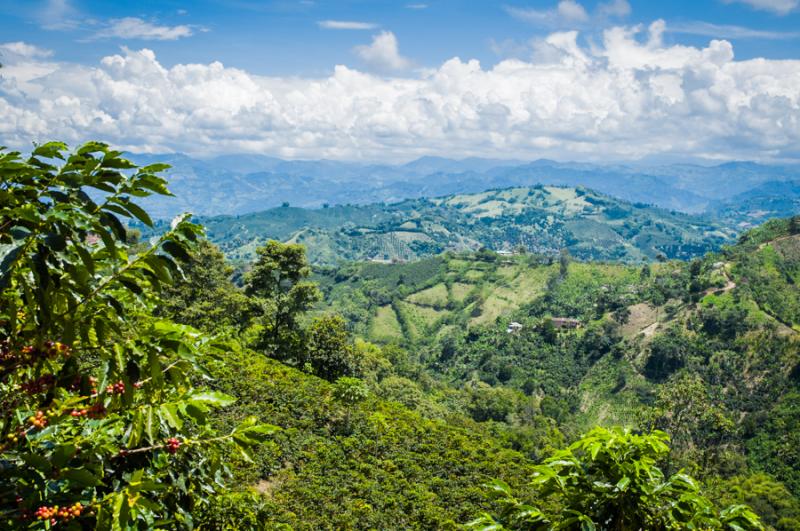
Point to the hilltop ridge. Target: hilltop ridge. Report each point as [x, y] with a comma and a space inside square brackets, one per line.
[540, 219]
[241, 184]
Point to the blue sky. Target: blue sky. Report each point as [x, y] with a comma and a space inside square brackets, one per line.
[284, 37]
[374, 80]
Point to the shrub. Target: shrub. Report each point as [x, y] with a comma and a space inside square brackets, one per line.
[102, 425]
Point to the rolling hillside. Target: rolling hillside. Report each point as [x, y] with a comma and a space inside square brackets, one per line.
[719, 334]
[542, 219]
[775, 199]
[424, 300]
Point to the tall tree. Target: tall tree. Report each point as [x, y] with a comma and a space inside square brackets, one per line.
[205, 297]
[279, 282]
[564, 259]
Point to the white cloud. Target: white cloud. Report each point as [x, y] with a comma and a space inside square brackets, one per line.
[614, 8]
[137, 28]
[58, 15]
[383, 53]
[346, 25]
[565, 12]
[23, 50]
[626, 97]
[724, 31]
[571, 14]
[571, 10]
[781, 7]
[416, 6]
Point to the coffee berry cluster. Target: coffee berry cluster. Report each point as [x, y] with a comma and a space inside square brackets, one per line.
[97, 411]
[39, 385]
[29, 354]
[57, 514]
[116, 388]
[172, 445]
[38, 420]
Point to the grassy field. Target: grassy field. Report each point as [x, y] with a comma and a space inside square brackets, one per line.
[384, 325]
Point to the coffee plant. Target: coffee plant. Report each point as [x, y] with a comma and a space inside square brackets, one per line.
[103, 420]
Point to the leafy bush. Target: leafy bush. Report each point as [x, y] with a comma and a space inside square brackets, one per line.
[102, 425]
[609, 479]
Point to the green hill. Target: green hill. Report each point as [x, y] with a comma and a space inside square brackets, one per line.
[705, 350]
[723, 330]
[542, 219]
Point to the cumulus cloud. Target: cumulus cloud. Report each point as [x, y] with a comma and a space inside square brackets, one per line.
[781, 7]
[627, 96]
[137, 28]
[346, 25]
[383, 53]
[571, 10]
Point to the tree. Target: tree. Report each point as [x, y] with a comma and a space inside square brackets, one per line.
[491, 403]
[349, 392]
[697, 426]
[205, 297]
[329, 348]
[102, 426]
[609, 479]
[668, 353]
[278, 282]
[771, 499]
[645, 272]
[564, 259]
[548, 331]
[794, 225]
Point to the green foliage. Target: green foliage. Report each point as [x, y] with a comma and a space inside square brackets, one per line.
[765, 272]
[668, 353]
[610, 479]
[390, 468]
[698, 426]
[102, 355]
[278, 283]
[769, 499]
[329, 350]
[102, 425]
[685, 347]
[775, 448]
[235, 511]
[544, 220]
[205, 297]
[349, 391]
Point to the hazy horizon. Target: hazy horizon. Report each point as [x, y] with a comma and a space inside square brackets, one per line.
[392, 81]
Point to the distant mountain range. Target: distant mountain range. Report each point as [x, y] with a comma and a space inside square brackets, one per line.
[542, 219]
[744, 193]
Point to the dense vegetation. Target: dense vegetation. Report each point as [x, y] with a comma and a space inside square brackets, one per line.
[403, 397]
[542, 219]
[102, 420]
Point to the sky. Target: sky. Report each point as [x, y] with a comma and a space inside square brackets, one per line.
[380, 81]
